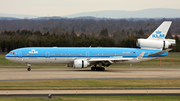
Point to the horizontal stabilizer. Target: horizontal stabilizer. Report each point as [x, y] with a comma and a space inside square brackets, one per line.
[161, 52]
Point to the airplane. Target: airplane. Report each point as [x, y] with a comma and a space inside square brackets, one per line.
[97, 57]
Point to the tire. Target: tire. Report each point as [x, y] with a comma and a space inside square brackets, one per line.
[97, 68]
[102, 69]
[29, 69]
[93, 68]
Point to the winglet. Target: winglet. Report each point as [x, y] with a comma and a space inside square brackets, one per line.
[140, 55]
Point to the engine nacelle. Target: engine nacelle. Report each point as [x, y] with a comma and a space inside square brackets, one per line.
[154, 44]
[81, 64]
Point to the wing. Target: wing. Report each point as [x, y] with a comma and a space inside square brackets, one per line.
[109, 59]
[115, 59]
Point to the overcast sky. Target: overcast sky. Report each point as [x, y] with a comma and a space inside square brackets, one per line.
[67, 7]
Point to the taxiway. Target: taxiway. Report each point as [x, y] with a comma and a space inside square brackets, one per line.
[66, 74]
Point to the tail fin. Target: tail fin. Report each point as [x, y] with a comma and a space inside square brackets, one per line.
[161, 31]
[157, 41]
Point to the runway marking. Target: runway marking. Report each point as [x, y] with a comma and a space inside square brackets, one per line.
[169, 92]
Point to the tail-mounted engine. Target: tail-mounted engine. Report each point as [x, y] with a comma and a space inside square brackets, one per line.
[155, 44]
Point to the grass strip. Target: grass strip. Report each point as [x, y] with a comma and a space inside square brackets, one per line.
[89, 84]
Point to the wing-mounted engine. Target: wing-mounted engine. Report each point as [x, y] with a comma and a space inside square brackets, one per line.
[155, 44]
[81, 63]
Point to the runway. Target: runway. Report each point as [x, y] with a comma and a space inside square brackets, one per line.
[87, 92]
[68, 74]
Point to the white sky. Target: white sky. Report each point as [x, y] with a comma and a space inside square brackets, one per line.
[67, 7]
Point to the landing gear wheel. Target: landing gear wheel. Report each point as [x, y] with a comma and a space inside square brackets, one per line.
[29, 69]
[102, 69]
[98, 68]
[93, 68]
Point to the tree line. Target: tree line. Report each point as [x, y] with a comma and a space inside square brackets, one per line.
[10, 40]
[87, 26]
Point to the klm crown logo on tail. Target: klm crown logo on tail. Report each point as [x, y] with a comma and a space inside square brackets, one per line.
[161, 31]
[158, 34]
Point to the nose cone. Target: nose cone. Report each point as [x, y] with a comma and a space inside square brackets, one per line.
[7, 56]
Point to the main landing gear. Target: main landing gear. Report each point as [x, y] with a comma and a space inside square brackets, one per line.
[98, 68]
[29, 67]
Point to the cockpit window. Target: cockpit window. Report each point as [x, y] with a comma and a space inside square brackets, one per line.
[12, 53]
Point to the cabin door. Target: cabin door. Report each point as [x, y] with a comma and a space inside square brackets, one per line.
[20, 54]
[47, 54]
[87, 54]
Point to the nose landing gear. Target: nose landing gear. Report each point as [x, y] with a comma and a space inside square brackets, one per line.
[29, 67]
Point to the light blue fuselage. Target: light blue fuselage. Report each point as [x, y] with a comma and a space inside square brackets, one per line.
[81, 52]
[67, 55]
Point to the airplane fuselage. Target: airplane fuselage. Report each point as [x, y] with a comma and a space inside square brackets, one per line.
[56, 55]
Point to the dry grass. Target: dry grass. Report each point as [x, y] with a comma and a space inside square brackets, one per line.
[97, 84]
